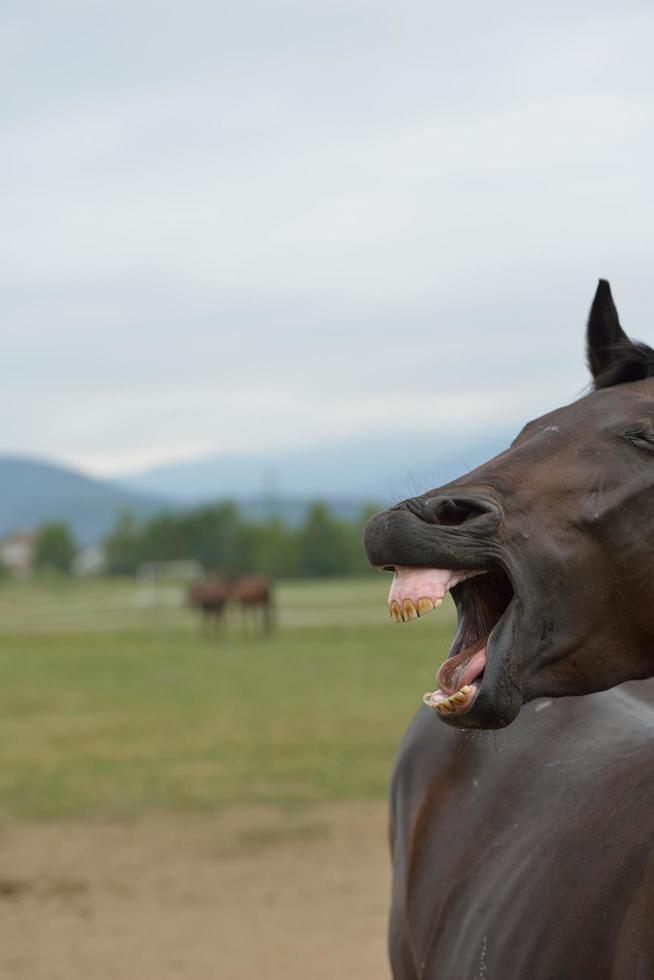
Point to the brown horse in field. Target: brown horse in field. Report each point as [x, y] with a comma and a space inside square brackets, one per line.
[527, 852]
[209, 595]
[253, 593]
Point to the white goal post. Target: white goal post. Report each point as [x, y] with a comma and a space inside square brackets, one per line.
[165, 583]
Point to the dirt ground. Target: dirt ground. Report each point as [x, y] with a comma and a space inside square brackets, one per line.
[243, 894]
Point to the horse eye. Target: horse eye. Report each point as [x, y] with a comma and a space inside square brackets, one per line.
[641, 438]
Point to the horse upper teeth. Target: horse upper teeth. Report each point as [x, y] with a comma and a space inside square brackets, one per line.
[408, 610]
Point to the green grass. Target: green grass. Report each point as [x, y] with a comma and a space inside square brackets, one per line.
[109, 707]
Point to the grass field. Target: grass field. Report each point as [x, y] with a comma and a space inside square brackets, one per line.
[179, 808]
[111, 708]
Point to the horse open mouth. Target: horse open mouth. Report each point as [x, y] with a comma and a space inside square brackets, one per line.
[481, 598]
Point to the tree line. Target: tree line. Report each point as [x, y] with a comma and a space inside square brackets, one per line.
[219, 538]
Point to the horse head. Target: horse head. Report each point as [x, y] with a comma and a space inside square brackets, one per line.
[547, 549]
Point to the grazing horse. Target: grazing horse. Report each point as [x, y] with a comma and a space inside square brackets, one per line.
[253, 593]
[209, 595]
[522, 819]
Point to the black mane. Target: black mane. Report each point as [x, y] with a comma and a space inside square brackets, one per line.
[631, 361]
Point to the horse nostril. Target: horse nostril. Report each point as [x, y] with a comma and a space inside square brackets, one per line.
[453, 511]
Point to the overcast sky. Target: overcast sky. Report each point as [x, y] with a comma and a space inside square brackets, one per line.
[242, 225]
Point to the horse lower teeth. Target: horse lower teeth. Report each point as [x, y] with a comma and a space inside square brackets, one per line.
[449, 704]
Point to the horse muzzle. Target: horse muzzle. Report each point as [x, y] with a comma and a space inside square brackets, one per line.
[435, 530]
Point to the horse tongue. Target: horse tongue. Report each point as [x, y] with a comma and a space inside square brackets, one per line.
[463, 668]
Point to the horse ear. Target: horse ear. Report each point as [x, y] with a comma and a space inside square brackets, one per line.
[604, 334]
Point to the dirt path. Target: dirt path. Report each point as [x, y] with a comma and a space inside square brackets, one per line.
[243, 894]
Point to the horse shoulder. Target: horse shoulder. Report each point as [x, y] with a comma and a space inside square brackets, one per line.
[526, 852]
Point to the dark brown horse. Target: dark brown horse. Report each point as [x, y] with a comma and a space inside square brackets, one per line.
[209, 595]
[253, 593]
[528, 853]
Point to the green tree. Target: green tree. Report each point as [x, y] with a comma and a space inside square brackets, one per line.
[123, 547]
[324, 547]
[54, 548]
[274, 549]
[218, 538]
[358, 560]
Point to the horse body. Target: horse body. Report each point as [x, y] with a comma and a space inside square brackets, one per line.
[526, 853]
[253, 593]
[209, 595]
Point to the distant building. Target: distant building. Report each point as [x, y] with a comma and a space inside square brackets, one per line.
[17, 552]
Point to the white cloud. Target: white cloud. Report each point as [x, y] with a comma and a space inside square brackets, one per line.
[227, 228]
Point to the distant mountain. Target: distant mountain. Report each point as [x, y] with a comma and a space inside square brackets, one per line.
[34, 492]
[381, 469]
[344, 474]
